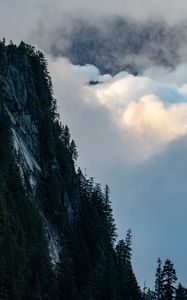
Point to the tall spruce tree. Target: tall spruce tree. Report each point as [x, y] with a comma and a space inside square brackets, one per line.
[128, 286]
[168, 280]
[159, 280]
[110, 223]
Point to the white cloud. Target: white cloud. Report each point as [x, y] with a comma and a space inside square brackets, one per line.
[146, 111]
[152, 113]
[131, 133]
[140, 109]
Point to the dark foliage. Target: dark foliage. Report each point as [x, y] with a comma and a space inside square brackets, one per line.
[25, 270]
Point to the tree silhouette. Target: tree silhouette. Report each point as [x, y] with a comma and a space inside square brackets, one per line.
[168, 280]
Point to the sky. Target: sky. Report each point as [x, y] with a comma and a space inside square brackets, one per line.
[130, 131]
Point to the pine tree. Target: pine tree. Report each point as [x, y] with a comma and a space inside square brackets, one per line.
[110, 223]
[159, 280]
[66, 136]
[73, 150]
[128, 243]
[168, 280]
[128, 286]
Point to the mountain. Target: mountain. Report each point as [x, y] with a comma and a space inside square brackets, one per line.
[57, 231]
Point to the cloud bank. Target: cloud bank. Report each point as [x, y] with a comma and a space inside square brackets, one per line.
[131, 133]
[151, 113]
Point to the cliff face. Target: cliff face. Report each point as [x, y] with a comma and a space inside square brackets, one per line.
[57, 231]
[27, 101]
[43, 161]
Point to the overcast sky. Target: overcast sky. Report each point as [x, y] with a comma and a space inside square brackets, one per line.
[130, 131]
[19, 17]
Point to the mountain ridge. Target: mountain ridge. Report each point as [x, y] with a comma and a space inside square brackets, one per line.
[59, 221]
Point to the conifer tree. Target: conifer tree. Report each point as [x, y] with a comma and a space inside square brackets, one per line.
[168, 280]
[128, 286]
[66, 136]
[159, 280]
[73, 150]
[128, 243]
[110, 223]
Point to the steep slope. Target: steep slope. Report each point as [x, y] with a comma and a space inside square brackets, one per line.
[57, 229]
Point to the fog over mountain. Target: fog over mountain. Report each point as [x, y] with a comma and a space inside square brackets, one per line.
[114, 44]
[131, 127]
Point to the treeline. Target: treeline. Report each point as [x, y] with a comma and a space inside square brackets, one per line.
[91, 266]
[165, 284]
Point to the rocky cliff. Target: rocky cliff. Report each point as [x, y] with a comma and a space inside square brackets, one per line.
[57, 231]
